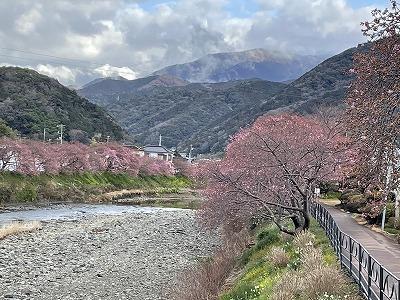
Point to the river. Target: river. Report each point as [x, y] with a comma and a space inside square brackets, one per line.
[100, 252]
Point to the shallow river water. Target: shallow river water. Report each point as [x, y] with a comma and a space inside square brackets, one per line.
[74, 212]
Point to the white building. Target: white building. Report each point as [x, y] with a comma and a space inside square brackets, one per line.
[158, 152]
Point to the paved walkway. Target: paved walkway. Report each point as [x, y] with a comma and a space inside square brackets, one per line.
[383, 249]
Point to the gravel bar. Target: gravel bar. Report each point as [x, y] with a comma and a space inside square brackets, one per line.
[137, 255]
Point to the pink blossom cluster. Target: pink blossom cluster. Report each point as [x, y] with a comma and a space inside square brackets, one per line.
[32, 157]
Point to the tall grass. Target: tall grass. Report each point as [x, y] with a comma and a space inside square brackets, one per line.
[206, 279]
[18, 227]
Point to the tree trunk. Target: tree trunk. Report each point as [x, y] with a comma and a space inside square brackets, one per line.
[396, 205]
[296, 222]
[306, 216]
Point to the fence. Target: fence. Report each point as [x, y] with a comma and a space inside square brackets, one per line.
[374, 281]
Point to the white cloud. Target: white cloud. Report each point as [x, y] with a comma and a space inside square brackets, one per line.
[110, 71]
[121, 33]
[61, 73]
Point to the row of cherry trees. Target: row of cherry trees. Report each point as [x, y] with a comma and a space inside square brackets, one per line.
[33, 157]
[271, 169]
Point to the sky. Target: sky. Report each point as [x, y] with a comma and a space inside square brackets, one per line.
[77, 41]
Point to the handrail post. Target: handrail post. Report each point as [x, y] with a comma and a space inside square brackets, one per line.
[359, 266]
[398, 289]
[369, 276]
[351, 256]
[340, 249]
[381, 287]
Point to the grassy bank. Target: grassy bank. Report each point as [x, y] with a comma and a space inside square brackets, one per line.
[279, 267]
[16, 188]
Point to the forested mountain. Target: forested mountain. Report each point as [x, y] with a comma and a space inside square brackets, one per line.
[256, 63]
[30, 102]
[324, 86]
[105, 90]
[178, 112]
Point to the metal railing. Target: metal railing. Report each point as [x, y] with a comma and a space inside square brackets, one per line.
[374, 280]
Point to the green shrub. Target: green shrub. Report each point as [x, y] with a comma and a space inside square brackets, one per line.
[5, 194]
[267, 237]
[28, 193]
[392, 223]
[390, 210]
[353, 201]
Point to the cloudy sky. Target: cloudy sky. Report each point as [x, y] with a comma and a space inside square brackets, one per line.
[76, 41]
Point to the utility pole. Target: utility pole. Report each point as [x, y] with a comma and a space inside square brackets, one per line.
[44, 134]
[108, 139]
[190, 154]
[159, 142]
[61, 132]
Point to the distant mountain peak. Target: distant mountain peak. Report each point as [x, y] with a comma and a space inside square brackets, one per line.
[111, 86]
[97, 80]
[254, 63]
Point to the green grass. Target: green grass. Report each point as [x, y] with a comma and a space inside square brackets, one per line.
[260, 276]
[177, 204]
[331, 196]
[75, 187]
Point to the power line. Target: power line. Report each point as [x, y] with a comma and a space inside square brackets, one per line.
[49, 55]
[63, 61]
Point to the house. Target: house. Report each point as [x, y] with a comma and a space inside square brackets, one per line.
[159, 152]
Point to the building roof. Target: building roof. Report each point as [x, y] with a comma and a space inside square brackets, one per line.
[132, 146]
[156, 149]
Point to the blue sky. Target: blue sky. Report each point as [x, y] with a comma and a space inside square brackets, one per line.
[361, 3]
[245, 8]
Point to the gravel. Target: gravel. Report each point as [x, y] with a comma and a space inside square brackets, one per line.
[137, 255]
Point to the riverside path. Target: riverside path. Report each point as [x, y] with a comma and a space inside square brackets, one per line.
[383, 249]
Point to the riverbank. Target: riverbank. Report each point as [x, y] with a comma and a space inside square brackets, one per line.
[134, 255]
[85, 187]
[270, 265]
[280, 267]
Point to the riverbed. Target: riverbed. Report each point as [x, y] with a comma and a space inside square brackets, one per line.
[100, 252]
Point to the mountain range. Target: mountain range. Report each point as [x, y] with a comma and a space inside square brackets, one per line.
[205, 115]
[186, 113]
[30, 102]
[256, 63]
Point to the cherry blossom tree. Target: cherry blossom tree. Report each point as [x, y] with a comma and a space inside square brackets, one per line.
[33, 157]
[270, 171]
[151, 166]
[373, 114]
[115, 158]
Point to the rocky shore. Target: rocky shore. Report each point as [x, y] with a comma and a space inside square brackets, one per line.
[137, 255]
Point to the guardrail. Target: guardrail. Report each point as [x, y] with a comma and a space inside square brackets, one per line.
[374, 280]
